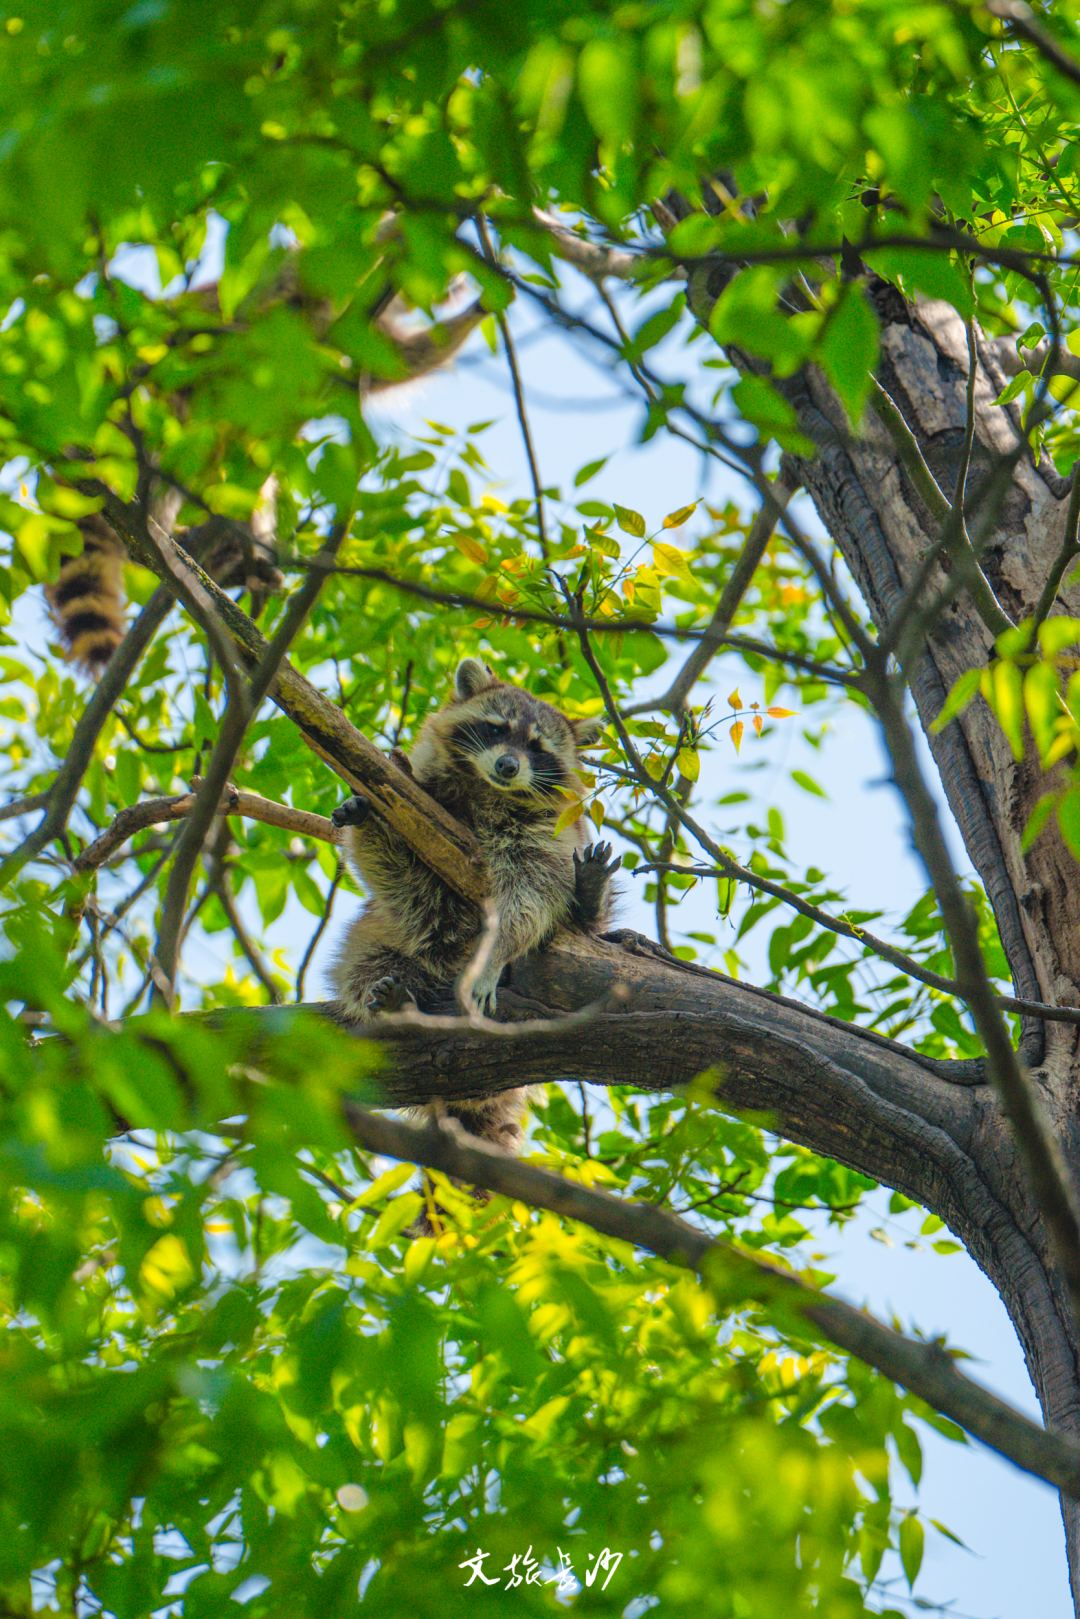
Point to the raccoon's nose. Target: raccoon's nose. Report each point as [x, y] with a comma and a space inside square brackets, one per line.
[506, 766]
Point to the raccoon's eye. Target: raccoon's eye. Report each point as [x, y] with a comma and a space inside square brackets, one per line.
[476, 735]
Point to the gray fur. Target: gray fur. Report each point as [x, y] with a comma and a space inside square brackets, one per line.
[496, 758]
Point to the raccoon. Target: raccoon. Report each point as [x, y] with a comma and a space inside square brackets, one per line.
[495, 757]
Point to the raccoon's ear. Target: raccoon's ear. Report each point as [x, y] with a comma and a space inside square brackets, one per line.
[587, 732]
[472, 676]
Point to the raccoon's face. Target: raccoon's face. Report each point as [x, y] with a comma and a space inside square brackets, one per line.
[514, 742]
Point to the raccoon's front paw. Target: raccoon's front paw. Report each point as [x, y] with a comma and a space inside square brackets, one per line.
[593, 868]
[386, 995]
[354, 812]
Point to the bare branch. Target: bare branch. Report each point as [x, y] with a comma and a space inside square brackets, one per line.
[926, 1369]
[592, 258]
[219, 885]
[331, 895]
[234, 801]
[24, 806]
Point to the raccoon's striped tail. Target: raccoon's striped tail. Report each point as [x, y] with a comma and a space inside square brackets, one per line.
[87, 600]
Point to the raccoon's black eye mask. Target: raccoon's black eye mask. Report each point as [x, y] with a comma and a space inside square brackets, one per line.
[480, 734]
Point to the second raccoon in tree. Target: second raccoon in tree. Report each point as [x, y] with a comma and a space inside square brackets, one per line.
[494, 756]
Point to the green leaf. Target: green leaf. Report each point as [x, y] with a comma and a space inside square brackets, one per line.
[765, 409]
[1037, 820]
[808, 784]
[608, 82]
[629, 521]
[589, 470]
[1068, 814]
[963, 690]
[848, 350]
[1007, 701]
[931, 270]
[911, 1548]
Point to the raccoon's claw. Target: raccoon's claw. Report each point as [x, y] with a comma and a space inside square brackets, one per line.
[354, 812]
[593, 867]
[387, 995]
[595, 864]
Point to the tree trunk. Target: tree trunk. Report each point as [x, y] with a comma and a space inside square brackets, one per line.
[877, 519]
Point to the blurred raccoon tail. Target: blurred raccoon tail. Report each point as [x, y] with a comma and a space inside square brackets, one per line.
[87, 600]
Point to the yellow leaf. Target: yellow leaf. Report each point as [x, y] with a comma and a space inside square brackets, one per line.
[471, 548]
[167, 1266]
[152, 352]
[677, 519]
[735, 701]
[736, 734]
[596, 810]
[758, 722]
[384, 1186]
[688, 764]
[570, 814]
[670, 559]
[780, 713]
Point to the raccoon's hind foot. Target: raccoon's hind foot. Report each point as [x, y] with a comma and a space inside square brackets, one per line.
[354, 812]
[387, 994]
[593, 868]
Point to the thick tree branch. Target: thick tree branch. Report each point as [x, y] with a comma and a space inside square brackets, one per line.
[234, 801]
[925, 1369]
[424, 825]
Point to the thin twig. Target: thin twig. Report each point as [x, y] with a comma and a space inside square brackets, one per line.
[319, 931]
[601, 626]
[960, 489]
[24, 806]
[519, 394]
[849, 930]
[219, 884]
[406, 688]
